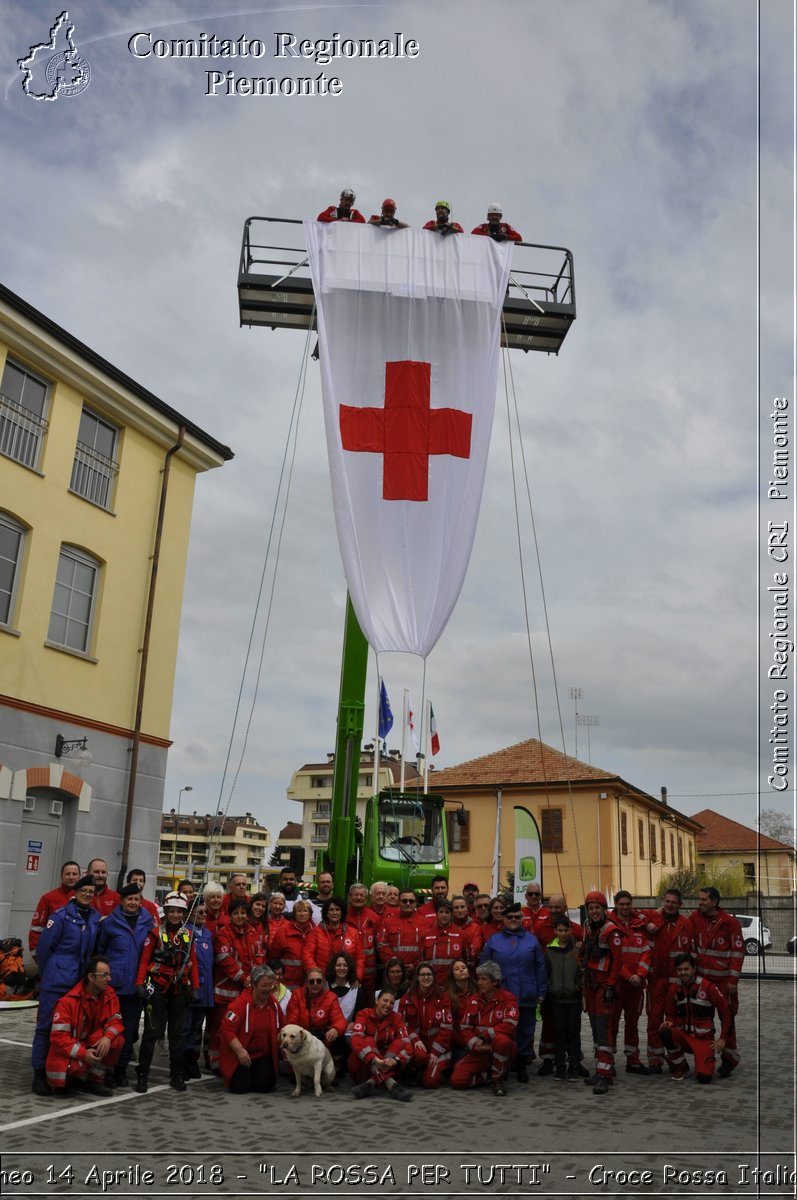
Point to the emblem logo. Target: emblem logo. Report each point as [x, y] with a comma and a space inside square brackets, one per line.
[65, 73]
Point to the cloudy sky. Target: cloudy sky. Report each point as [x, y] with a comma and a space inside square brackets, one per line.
[626, 130]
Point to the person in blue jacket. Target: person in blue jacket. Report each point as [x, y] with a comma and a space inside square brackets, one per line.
[65, 946]
[520, 957]
[200, 1012]
[120, 941]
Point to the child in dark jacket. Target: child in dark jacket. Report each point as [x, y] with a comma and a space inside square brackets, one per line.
[565, 999]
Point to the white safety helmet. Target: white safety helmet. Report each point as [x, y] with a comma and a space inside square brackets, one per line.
[348, 192]
[175, 900]
[494, 208]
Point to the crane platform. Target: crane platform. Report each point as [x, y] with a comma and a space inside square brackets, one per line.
[275, 289]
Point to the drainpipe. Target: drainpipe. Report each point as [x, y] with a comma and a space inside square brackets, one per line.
[142, 676]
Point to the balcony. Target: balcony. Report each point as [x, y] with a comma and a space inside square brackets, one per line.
[319, 840]
[320, 814]
[92, 478]
[21, 433]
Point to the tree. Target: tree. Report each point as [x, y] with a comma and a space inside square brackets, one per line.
[778, 825]
[729, 881]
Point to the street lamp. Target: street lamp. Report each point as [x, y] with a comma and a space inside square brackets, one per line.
[176, 827]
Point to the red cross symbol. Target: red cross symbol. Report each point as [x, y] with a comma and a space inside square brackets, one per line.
[406, 431]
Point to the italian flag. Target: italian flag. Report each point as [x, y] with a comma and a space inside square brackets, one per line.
[435, 739]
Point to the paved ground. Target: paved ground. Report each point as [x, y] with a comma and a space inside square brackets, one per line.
[549, 1136]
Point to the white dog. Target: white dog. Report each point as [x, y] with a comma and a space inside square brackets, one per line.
[309, 1058]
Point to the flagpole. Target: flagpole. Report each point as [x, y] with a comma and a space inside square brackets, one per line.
[426, 747]
[376, 739]
[403, 736]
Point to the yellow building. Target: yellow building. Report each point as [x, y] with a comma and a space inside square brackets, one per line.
[768, 865]
[88, 643]
[596, 830]
[311, 786]
[207, 848]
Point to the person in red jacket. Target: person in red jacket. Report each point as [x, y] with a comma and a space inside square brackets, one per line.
[105, 898]
[442, 223]
[380, 1045]
[402, 932]
[87, 1033]
[168, 982]
[50, 902]
[237, 889]
[332, 936]
[601, 961]
[444, 943]
[290, 941]
[488, 1027]
[249, 1054]
[387, 218]
[689, 1021]
[633, 979]
[426, 1012]
[428, 910]
[670, 932]
[237, 947]
[499, 231]
[719, 947]
[471, 931]
[315, 1007]
[343, 210]
[365, 921]
[534, 912]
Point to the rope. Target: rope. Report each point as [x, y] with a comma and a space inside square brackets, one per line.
[285, 476]
[509, 384]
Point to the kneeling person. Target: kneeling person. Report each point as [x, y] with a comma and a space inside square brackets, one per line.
[689, 1022]
[249, 1050]
[488, 1026]
[87, 1034]
[380, 1045]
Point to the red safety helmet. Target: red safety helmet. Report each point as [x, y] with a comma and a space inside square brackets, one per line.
[389, 204]
[596, 898]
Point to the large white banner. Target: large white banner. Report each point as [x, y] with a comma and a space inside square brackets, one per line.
[408, 324]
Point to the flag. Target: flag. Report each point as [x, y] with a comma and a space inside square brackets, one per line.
[385, 712]
[408, 328]
[411, 724]
[434, 736]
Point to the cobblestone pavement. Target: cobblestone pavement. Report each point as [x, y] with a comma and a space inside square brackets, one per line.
[552, 1138]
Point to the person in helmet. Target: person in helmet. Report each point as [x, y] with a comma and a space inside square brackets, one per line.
[343, 210]
[601, 961]
[167, 982]
[387, 218]
[442, 223]
[495, 228]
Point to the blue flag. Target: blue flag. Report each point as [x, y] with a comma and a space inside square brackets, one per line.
[385, 712]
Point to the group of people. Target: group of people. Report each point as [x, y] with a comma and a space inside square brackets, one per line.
[494, 227]
[401, 993]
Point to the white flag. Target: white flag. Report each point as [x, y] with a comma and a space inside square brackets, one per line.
[408, 325]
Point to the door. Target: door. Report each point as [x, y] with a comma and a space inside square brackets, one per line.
[39, 860]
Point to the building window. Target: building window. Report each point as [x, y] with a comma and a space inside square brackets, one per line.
[321, 781]
[641, 831]
[12, 540]
[95, 466]
[458, 836]
[23, 400]
[672, 849]
[623, 833]
[73, 601]
[680, 852]
[653, 853]
[749, 874]
[552, 839]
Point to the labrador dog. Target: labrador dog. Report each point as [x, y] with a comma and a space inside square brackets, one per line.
[309, 1058]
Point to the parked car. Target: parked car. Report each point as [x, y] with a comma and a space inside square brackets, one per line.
[791, 945]
[756, 935]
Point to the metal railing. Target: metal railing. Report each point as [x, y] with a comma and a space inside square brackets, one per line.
[93, 475]
[21, 432]
[552, 280]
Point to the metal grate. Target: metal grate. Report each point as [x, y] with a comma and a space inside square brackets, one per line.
[21, 432]
[93, 475]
